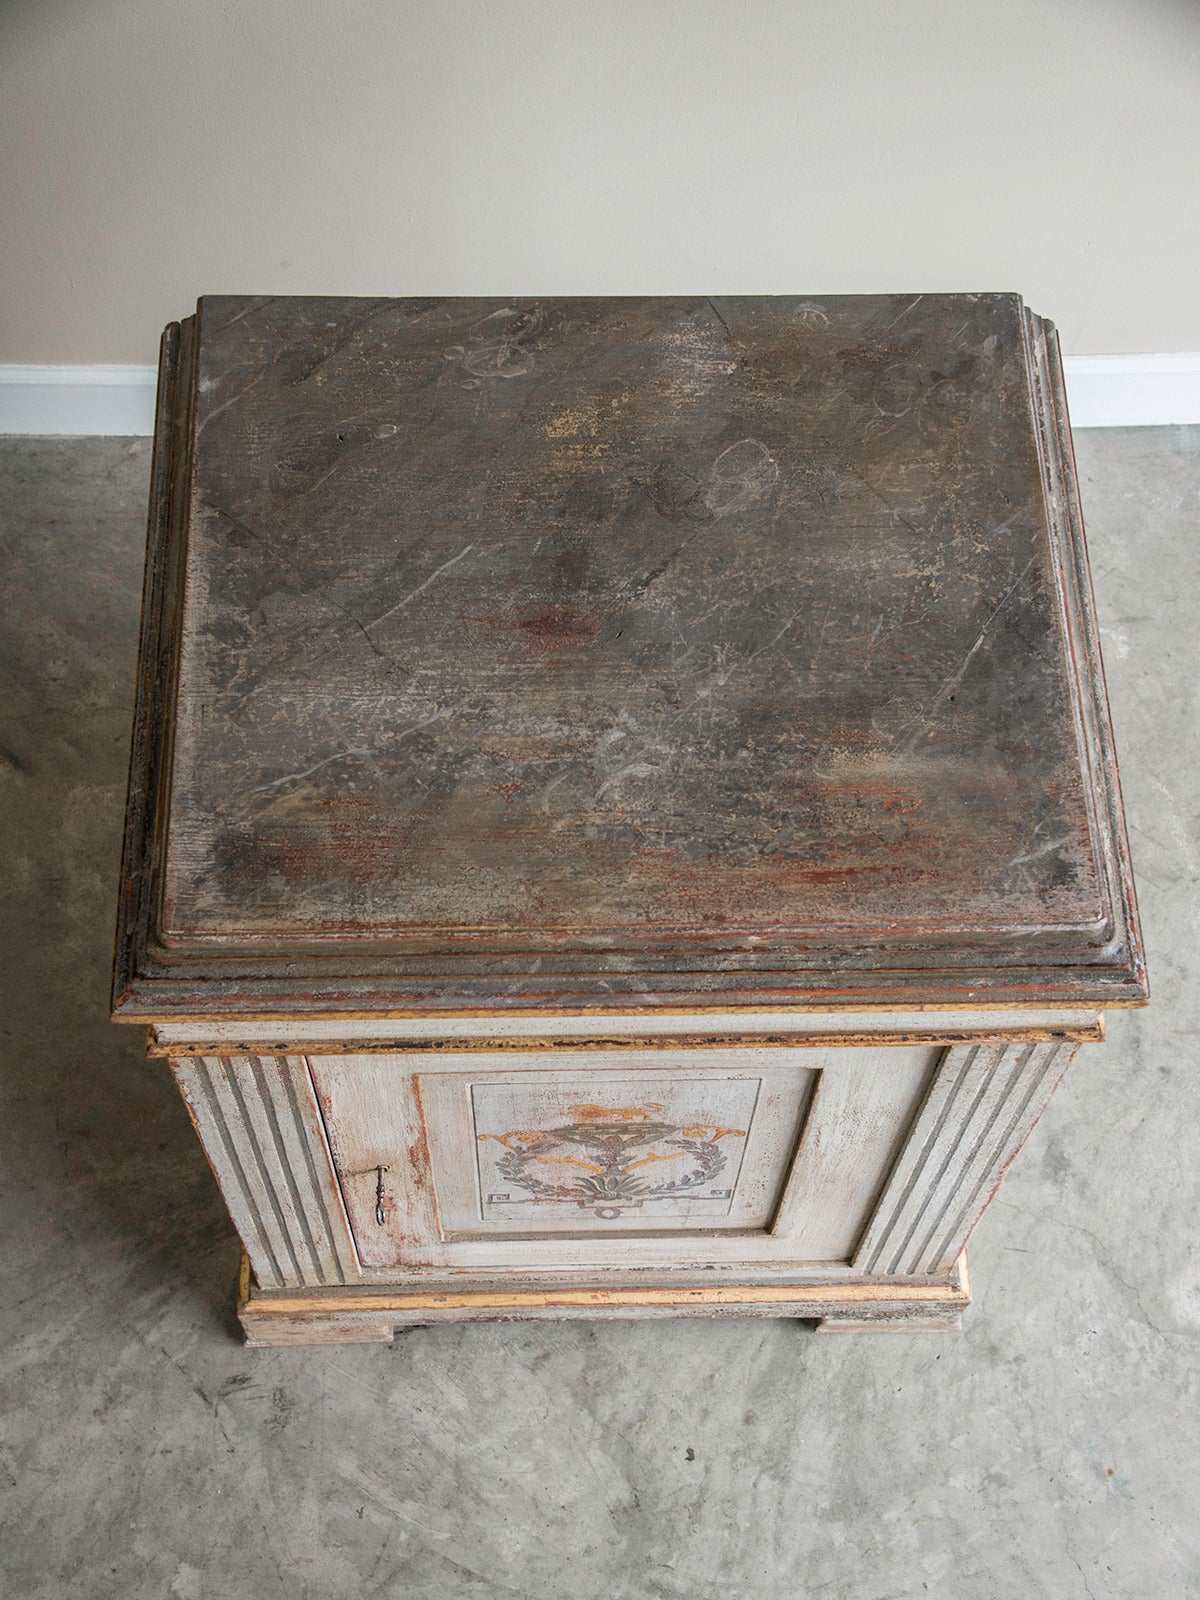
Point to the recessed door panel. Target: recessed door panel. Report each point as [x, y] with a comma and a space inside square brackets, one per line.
[607, 1151]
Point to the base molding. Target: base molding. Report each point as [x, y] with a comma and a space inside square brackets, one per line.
[370, 1314]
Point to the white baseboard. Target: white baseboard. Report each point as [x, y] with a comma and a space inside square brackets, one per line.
[1133, 391]
[92, 400]
[1102, 392]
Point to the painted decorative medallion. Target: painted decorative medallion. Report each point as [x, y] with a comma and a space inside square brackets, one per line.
[617, 1156]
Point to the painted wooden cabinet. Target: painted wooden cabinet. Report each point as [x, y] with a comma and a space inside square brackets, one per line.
[623, 819]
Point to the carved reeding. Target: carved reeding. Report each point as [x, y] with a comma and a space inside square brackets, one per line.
[1037, 1069]
[337, 1234]
[272, 1164]
[978, 1111]
[270, 1106]
[230, 1080]
[914, 1155]
[196, 1084]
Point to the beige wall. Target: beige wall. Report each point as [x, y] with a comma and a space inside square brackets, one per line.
[156, 149]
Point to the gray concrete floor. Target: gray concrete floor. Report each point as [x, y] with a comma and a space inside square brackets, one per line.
[1048, 1450]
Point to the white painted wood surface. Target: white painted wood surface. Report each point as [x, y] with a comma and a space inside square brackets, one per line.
[863, 1164]
[1001, 1020]
[388, 1115]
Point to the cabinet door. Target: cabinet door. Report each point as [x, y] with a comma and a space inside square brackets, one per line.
[616, 1158]
[664, 1151]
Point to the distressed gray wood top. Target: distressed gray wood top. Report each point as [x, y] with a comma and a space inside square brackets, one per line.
[668, 624]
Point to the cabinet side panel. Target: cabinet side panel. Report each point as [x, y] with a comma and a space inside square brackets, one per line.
[258, 1121]
[234, 1168]
[980, 1108]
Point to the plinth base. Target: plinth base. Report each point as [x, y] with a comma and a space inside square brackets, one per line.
[371, 1314]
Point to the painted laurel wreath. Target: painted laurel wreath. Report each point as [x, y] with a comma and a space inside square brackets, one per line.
[608, 1193]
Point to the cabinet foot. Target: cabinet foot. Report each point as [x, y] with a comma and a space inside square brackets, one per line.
[264, 1333]
[890, 1324]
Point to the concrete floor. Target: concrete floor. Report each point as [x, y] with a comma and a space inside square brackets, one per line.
[1048, 1450]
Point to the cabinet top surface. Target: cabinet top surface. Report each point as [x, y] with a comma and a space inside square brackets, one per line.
[601, 636]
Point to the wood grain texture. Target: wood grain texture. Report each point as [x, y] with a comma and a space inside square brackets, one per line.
[258, 1120]
[981, 1107]
[622, 521]
[340, 1316]
[253, 1039]
[764, 604]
